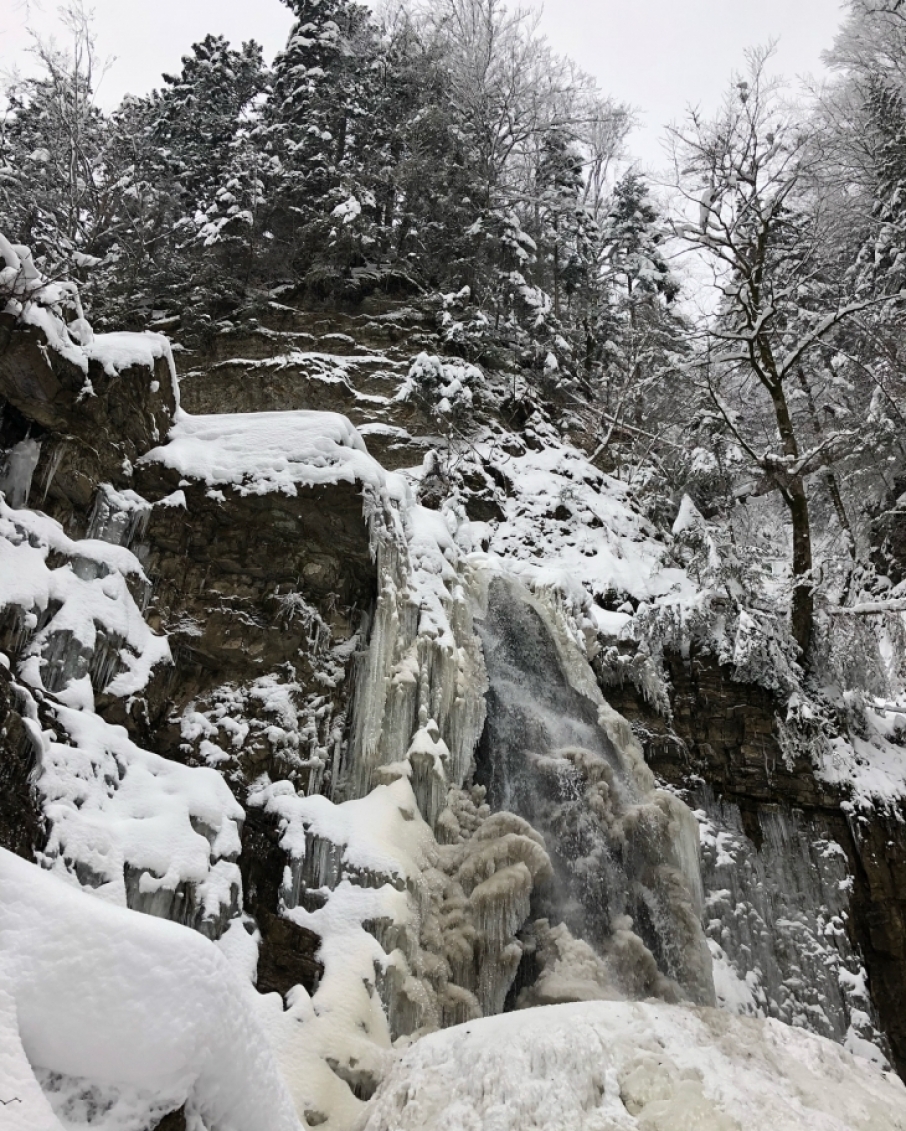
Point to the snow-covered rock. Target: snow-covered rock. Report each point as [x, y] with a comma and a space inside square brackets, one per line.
[618, 1066]
[139, 1015]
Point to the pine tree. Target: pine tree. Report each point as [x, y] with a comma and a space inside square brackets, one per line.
[566, 232]
[196, 116]
[881, 264]
[317, 126]
[632, 239]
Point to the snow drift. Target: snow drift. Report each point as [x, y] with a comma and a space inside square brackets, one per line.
[126, 1004]
[616, 1066]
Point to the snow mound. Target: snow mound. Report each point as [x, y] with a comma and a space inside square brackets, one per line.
[262, 452]
[615, 1066]
[124, 1006]
[140, 830]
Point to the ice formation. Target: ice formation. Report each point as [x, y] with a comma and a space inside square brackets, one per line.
[776, 925]
[140, 830]
[626, 875]
[79, 618]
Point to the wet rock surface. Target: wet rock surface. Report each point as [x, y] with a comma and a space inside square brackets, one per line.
[21, 826]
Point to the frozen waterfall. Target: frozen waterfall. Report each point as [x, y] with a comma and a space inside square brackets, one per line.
[625, 880]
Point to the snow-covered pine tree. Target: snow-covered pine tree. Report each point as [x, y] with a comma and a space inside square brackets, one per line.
[632, 238]
[566, 233]
[636, 336]
[197, 114]
[178, 190]
[318, 124]
[881, 265]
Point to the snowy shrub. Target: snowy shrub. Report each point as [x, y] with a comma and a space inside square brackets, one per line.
[23, 286]
[464, 328]
[441, 387]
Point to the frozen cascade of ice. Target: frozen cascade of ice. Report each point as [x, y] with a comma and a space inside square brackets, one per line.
[624, 855]
[423, 661]
[18, 468]
[776, 923]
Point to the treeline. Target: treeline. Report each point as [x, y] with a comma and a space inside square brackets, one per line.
[438, 149]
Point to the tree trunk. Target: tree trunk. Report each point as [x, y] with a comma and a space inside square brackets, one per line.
[803, 604]
[794, 495]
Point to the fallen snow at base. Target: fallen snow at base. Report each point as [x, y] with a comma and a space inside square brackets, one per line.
[127, 1012]
[260, 452]
[616, 1066]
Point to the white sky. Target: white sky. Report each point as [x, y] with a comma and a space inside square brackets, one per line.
[658, 55]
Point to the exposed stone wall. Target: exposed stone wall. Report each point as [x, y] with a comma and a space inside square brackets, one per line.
[724, 734]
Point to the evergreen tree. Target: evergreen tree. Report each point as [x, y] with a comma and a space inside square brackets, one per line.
[317, 125]
[632, 237]
[566, 233]
[638, 338]
[881, 265]
[195, 117]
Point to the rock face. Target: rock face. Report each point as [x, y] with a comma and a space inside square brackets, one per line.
[724, 735]
[20, 816]
[244, 584]
[91, 423]
[288, 953]
[260, 595]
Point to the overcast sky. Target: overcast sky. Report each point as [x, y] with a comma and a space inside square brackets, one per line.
[658, 55]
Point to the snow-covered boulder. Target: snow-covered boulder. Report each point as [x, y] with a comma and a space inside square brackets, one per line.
[618, 1066]
[133, 1013]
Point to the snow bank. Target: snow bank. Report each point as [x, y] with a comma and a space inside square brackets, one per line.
[122, 1002]
[614, 1066]
[139, 829]
[260, 452]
